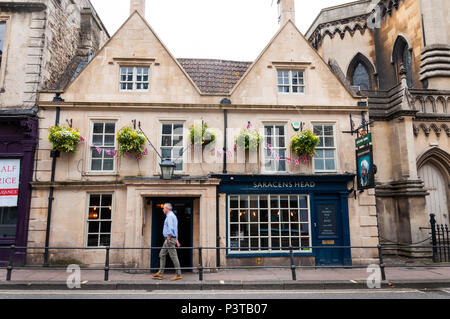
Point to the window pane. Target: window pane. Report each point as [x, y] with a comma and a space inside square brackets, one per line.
[329, 141]
[330, 165]
[98, 127]
[92, 240]
[234, 201]
[105, 227]
[304, 216]
[106, 200]
[96, 165]
[234, 216]
[318, 130]
[109, 140]
[178, 129]
[303, 202]
[234, 230]
[167, 129]
[166, 141]
[318, 164]
[166, 153]
[110, 128]
[108, 165]
[105, 213]
[105, 240]
[94, 200]
[94, 227]
[263, 215]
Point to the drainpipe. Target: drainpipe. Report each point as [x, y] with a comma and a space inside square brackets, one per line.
[54, 155]
[217, 228]
[224, 101]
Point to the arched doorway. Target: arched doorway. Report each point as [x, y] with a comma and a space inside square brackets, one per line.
[432, 170]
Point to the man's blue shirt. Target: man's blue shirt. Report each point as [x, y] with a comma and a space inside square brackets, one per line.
[170, 225]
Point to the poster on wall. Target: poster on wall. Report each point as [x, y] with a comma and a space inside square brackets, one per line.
[9, 182]
[365, 168]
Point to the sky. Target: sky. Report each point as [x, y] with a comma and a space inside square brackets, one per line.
[215, 29]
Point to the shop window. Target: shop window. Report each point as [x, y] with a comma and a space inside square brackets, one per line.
[134, 78]
[102, 146]
[275, 148]
[269, 223]
[325, 157]
[8, 222]
[291, 81]
[99, 220]
[172, 143]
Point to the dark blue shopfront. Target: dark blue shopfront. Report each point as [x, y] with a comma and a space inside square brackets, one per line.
[266, 215]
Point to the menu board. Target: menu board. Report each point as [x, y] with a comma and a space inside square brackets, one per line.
[327, 220]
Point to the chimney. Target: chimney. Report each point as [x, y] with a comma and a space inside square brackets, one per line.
[137, 5]
[286, 11]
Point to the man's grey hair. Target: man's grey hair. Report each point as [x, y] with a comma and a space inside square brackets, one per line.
[168, 206]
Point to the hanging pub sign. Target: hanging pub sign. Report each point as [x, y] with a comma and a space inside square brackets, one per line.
[365, 168]
[9, 182]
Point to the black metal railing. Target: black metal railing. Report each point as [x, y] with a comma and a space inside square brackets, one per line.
[440, 241]
[201, 268]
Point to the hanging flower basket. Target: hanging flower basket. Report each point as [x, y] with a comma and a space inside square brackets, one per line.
[201, 132]
[64, 139]
[248, 139]
[304, 144]
[130, 142]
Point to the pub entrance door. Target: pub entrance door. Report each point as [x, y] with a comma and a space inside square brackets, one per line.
[184, 210]
[328, 229]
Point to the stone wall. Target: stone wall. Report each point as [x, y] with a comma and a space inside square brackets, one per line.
[42, 40]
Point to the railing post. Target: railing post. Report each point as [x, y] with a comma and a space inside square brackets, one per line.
[447, 243]
[200, 264]
[433, 237]
[294, 275]
[107, 264]
[10, 263]
[380, 257]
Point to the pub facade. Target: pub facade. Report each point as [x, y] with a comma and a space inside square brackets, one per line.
[258, 203]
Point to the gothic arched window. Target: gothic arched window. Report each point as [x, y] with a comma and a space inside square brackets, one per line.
[402, 56]
[361, 73]
[361, 77]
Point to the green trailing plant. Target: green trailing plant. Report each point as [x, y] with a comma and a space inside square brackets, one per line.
[130, 142]
[64, 138]
[201, 133]
[248, 139]
[304, 144]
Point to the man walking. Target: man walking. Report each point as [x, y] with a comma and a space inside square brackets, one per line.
[170, 233]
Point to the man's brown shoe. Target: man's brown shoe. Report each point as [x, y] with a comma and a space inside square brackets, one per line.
[176, 278]
[157, 276]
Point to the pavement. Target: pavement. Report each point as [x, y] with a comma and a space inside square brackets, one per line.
[429, 277]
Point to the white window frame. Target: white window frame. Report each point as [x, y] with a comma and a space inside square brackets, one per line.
[291, 85]
[264, 149]
[269, 236]
[183, 157]
[324, 148]
[92, 146]
[86, 237]
[5, 19]
[134, 82]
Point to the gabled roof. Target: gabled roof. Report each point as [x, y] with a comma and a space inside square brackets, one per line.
[214, 76]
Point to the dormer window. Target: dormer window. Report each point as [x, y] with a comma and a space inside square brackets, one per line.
[134, 78]
[291, 81]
